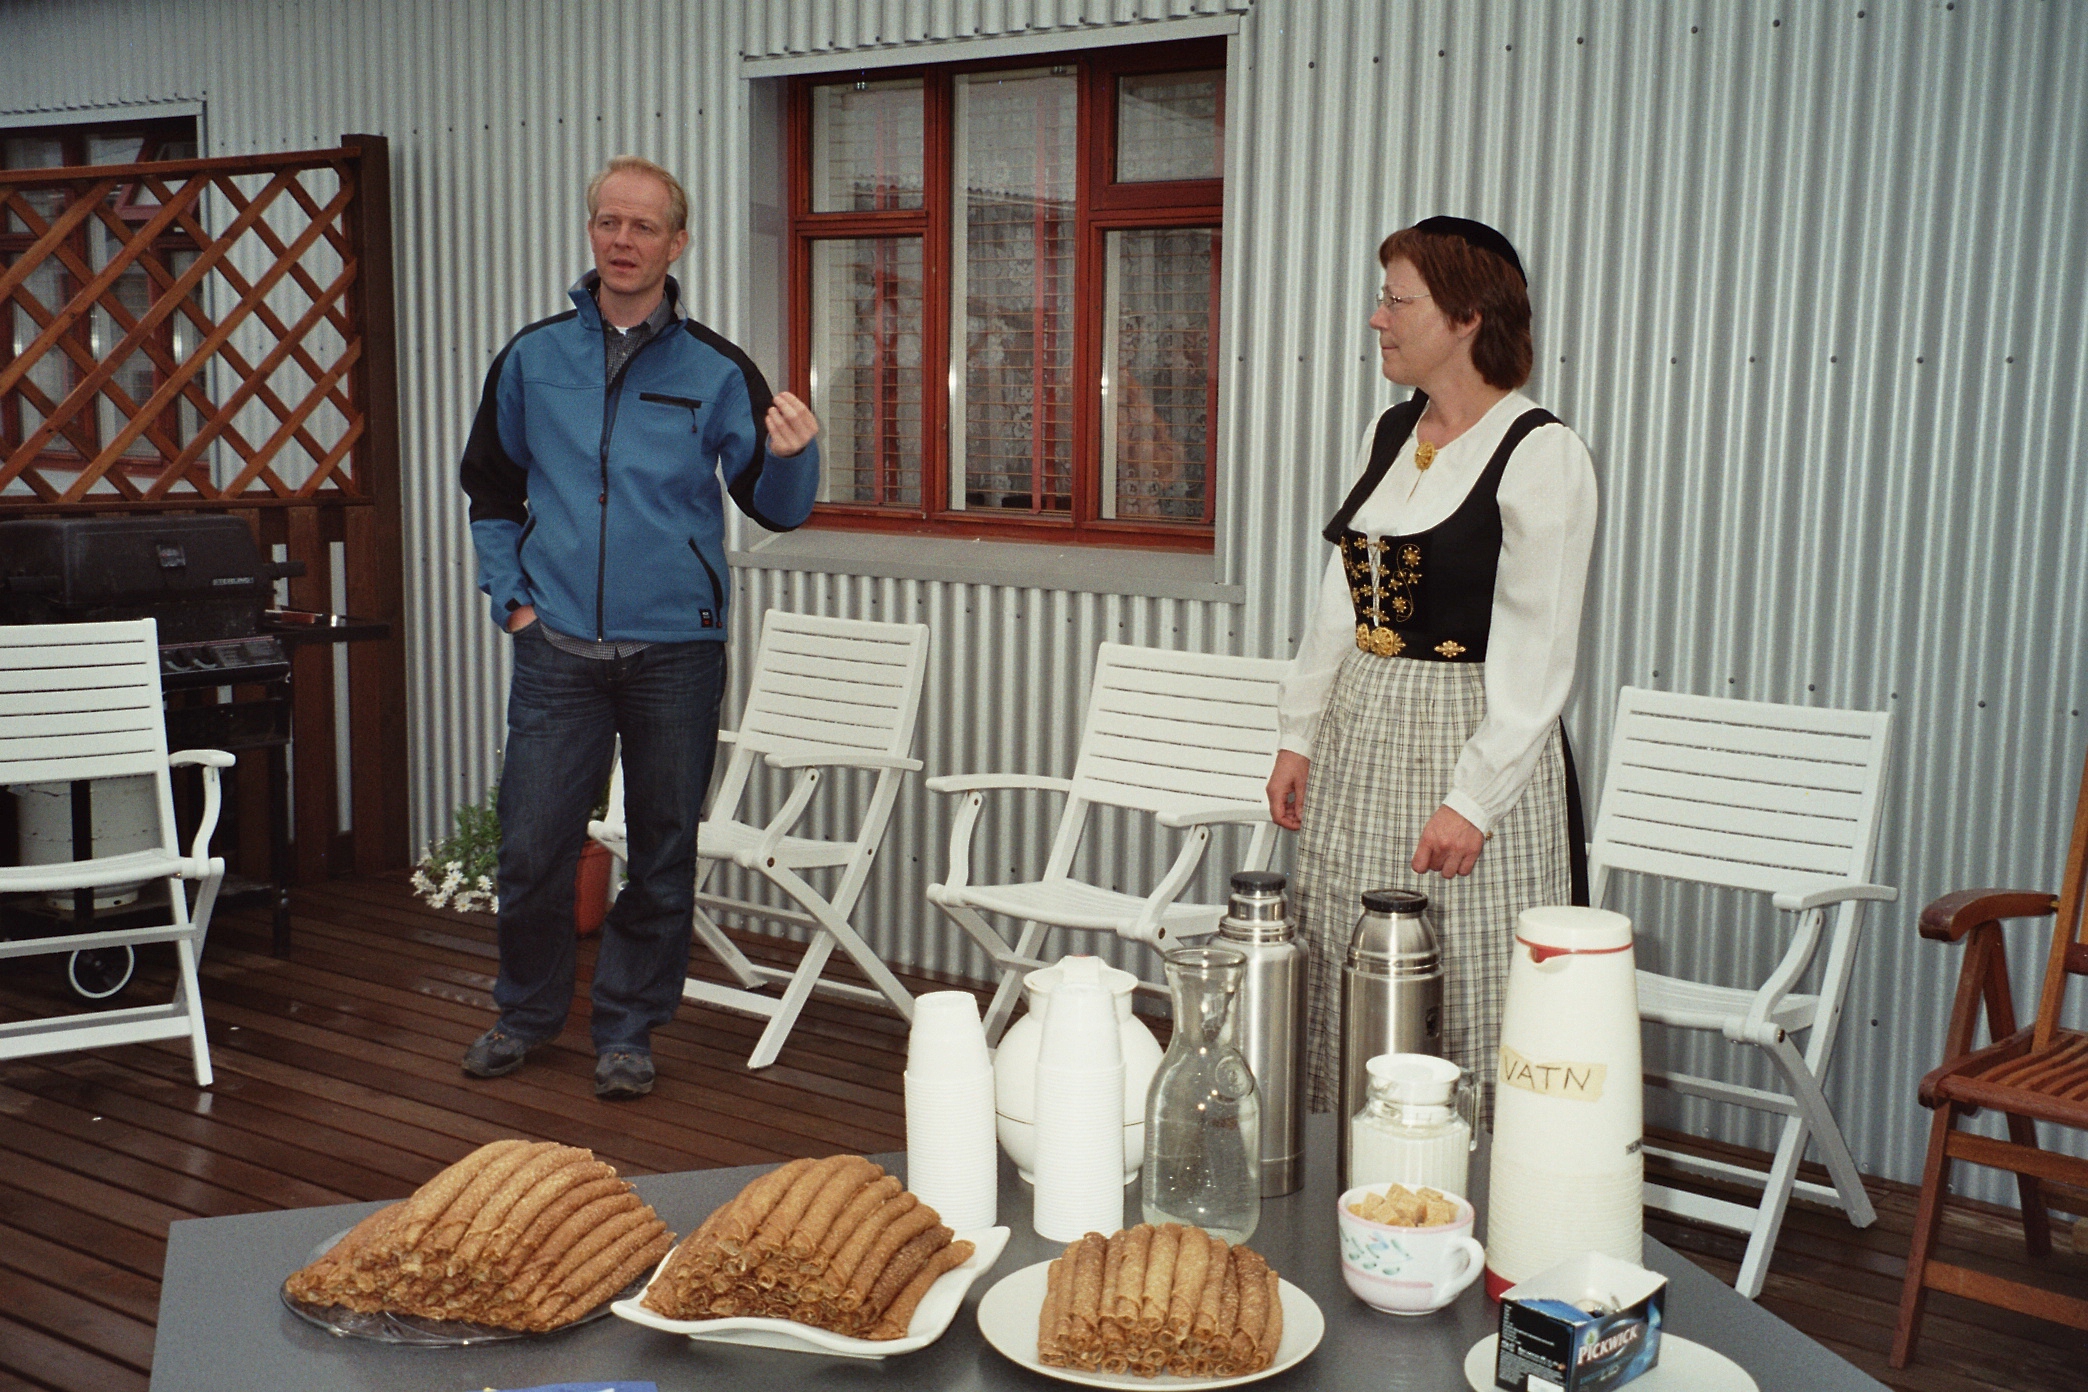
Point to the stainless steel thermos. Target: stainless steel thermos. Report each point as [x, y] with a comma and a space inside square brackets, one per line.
[1269, 1021]
[1391, 995]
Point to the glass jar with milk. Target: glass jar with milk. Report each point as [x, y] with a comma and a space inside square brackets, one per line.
[1416, 1129]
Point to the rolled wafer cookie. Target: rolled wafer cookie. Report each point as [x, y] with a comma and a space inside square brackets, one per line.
[494, 1231]
[754, 1204]
[1271, 1336]
[1129, 1295]
[555, 1215]
[1206, 1321]
[580, 1237]
[1161, 1256]
[635, 1264]
[848, 1180]
[783, 1219]
[1051, 1319]
[1253, 1308]
[689, 1267]
[898, 1316]
[867, 1201]
[1084, 1303]
[841, 1271]
[903, 1230]
[900, 1270]
[431, 1200]
[444, 1233]
[1219, 1340]
[1192, 1264]
[557, 1296]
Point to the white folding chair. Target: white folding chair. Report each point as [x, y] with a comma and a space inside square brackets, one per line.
[1782, 800]
[826, 693]
[1185, 737]
[80, 702]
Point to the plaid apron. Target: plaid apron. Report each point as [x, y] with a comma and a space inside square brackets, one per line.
[1388, 743]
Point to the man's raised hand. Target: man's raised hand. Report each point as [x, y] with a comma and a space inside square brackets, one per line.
[791, 425]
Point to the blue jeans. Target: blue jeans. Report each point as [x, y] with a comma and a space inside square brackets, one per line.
[564, 713]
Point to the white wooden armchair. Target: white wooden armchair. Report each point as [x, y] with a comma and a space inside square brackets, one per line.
[80, 702]
[1782, 800]
[1184, 737]
[826, 693]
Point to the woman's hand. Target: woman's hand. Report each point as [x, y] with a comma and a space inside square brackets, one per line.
[1449, 843]
[1287, 788]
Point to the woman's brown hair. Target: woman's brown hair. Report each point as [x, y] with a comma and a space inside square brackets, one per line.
[1466, 282]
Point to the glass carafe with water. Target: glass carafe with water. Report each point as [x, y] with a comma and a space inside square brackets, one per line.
[1203, 1118]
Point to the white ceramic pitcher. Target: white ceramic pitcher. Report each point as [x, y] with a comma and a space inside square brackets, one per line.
[1015, 1063]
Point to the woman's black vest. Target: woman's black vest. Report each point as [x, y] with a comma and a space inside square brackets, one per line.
[1427, 595]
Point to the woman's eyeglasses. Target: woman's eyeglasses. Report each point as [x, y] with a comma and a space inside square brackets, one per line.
[1391, 303]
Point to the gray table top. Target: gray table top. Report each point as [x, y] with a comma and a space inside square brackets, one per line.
[222, 1326]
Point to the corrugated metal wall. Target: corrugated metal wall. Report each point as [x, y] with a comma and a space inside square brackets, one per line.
[1805, 278]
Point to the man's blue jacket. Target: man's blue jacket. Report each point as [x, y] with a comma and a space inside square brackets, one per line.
[598, 501]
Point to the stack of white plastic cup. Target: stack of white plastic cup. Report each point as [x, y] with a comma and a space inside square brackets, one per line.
[1080, 1115]
[952, 1163]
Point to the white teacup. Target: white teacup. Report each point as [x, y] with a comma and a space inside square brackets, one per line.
[1407, 1271]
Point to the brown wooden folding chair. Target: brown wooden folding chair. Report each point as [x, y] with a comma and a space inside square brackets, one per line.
[2037, 1073]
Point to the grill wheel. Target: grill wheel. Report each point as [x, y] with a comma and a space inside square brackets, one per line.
[99, 973]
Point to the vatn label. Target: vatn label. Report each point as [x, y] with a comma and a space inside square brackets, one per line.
[1582, 1082]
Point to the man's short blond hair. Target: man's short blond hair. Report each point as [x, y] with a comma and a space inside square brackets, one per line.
[677, 197]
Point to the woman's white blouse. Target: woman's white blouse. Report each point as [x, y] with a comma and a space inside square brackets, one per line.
[1547, 498]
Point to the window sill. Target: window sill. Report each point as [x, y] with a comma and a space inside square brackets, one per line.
[1026, 565]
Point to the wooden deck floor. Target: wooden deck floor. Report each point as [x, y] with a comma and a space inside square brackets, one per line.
[338, 1081]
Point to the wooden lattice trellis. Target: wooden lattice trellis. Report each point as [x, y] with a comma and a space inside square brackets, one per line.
[217, 334]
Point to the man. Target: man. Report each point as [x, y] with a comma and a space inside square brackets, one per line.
[594, 470]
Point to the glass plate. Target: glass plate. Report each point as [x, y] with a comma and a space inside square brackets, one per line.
[419, 1331]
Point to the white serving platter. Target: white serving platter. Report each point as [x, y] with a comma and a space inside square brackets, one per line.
[930, 1318]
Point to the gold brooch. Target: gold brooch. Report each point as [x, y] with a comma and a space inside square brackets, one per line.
[1424, 455]
[1385, 643]
[1449, 649]
[1363, 637]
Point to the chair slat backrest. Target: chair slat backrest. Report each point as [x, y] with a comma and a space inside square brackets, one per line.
[1740, 793]
[1169, 730]
[81, 701]
[822, 683]
[2070, 931]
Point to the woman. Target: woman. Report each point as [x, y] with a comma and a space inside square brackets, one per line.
[1420, 719]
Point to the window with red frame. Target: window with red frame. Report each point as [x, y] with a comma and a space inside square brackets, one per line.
[54, 282]
[1004, 293]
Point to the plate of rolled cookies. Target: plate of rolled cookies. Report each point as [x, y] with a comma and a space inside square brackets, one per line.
[822, 1256]
[1151, 1306]
[519, 1238]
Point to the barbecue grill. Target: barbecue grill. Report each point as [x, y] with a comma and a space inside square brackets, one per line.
[203, 579]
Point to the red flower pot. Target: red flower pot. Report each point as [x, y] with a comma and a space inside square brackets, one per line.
[591, 888]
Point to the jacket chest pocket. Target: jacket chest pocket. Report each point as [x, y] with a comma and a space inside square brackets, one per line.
[680, 403]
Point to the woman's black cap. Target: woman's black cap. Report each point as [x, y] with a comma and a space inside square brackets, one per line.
[1476, 234]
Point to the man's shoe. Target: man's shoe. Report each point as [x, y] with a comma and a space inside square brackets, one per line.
[496, 1053]
[621, 1074]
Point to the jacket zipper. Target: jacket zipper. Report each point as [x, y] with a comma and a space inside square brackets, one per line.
[717, 591]
[612, 397]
